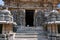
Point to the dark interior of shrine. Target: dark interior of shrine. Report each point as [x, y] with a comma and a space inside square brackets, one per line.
[1, 25]
[58, 28]
[29, 17]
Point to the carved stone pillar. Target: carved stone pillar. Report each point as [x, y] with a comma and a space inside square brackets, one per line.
[22, 17]
[39, 18]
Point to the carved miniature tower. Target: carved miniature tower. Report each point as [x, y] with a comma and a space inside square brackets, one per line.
[6, 21]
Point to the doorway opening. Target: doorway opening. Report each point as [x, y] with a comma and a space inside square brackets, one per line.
[58, 28]
[1, 25]
[29, 17]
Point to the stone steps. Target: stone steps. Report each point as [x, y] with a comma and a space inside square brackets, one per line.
[30, 33]
[29, 36]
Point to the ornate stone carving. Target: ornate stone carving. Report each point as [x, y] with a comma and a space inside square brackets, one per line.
[22, 16]
[30, 0]
[39, 18]
[19, 16]
[29, 5]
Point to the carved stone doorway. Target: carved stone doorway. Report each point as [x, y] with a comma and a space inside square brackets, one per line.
[29, 17]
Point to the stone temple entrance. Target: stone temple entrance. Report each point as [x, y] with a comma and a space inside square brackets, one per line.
[29, 17]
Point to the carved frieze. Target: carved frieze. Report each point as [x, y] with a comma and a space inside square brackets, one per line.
[29, 5]
[25, 5]
[30, 0]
